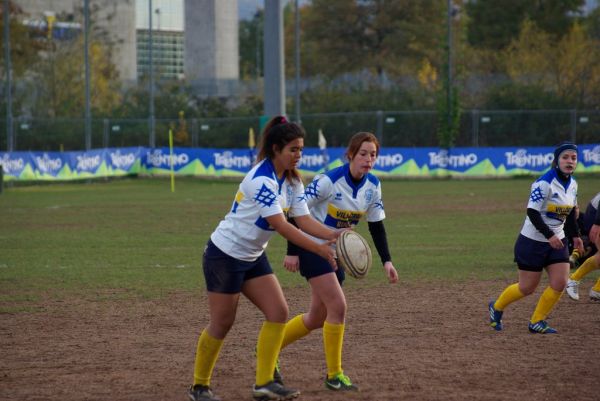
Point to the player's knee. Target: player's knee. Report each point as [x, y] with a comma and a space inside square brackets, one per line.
[527, 289]
[337, 307]
[559, 285]
[278, 314]
[315, 319]
[220, 327]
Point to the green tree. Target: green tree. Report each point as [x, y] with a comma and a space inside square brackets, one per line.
[493, 24]
[251, 46]
[569, 67]
[60, 78]
[382, 37]
[23, 48]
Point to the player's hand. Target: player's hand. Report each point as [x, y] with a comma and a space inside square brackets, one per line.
[555, 242]
[291, 263]
[595, 235]
[327, 252]
[338, 231]
[391, 272]
[578, 244]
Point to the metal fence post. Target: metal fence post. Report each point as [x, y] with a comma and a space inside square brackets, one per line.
[379, 132]
[105, 133]
[475, 127]
[574, 125]
[194, 132]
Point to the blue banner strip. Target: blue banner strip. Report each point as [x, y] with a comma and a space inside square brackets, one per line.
[401, 162]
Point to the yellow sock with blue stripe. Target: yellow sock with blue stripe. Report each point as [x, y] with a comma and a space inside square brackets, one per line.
[267, 351]
[511, 294]
[333, 339]
[207, 353]
[586, 267]
[548, 299]
[295, 329]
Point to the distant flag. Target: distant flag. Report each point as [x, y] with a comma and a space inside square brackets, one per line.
[251, 140]
[322, 140]
[251, 145]
[323, 147]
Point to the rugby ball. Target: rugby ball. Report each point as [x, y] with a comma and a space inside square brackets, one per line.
[354, 254]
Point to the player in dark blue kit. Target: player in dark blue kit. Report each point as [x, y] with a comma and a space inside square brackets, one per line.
[590, 226]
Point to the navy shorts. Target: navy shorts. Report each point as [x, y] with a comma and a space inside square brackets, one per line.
[534, 255]
[312, 265]
[227, 275]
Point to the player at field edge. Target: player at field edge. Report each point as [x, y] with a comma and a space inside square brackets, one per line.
[234, 261]
[542, 243]
[590, 228]
[339, 198]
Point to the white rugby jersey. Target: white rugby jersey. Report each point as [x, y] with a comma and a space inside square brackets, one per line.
[336, 201]
[554, 200]
[245, 232]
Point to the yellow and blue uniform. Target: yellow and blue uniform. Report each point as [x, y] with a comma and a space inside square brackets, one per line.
[554, 199]
[338, 201]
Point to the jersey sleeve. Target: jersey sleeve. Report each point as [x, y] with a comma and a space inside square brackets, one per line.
[298, 206]
[540, 190]
[262, 191]
[375, 211]
[319, 190]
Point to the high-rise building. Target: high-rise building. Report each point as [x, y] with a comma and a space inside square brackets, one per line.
[167, 38]
[196, 40]
[211, 45]
[114, 18]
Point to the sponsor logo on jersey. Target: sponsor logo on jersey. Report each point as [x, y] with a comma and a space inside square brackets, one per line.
[345, 215]
[558, 212]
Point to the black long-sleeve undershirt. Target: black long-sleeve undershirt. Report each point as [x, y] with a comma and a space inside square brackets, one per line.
[571, 227]
[377, 230]
[536, 219]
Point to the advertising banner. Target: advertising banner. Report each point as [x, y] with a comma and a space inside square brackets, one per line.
[393, 162]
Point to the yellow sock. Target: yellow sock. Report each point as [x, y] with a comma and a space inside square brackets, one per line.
[547, 301]
[596, 287]
[333, 339]
[589, 265]
[575, 254]
[510, 294]
[267, 351]
[294, 330]
[207, 353]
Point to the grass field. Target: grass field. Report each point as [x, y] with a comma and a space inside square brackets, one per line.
[133, 237]
[101, 298]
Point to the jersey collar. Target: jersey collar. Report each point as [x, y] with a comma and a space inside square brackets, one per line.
[355, 187]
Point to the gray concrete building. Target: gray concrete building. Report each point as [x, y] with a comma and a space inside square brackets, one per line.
[212, 45]
[195, 40]
[114, 18]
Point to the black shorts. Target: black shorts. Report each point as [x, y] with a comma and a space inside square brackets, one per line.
[227, 275]
[312, 265]
[533, 256]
